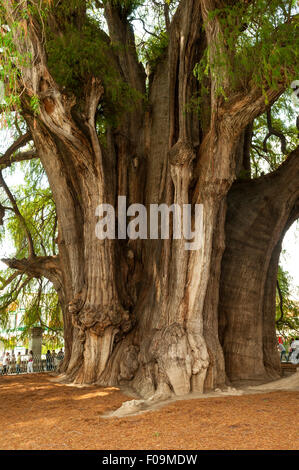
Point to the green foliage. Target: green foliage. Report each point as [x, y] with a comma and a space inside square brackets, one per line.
[73, 57]
[39, 307]
[36, 204]
[37, 296]
[284, 116]
[289, 321]
[76, 56]
[259, 45]
[34, 104]
[9, 295]
[79, 52]
[11, 61]
[154, 39]
[9, 343]
[42, 309]
[154, 49]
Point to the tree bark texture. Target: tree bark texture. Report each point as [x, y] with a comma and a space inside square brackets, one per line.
[148, 313]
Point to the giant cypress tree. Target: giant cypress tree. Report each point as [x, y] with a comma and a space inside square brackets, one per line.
[178, 129]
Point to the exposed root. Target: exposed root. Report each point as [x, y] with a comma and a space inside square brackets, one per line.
[286, 383]
[160, 399]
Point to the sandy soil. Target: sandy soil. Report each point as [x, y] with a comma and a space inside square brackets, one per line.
[37, 413]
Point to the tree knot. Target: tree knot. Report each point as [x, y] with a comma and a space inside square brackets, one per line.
[98, 319]
[182, 153]
[129, 363]
[76, 304]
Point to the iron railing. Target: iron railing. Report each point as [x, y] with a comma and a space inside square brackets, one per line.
[39, 364]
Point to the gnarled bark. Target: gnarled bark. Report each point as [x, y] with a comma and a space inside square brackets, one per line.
[145, 313]
[259, 213]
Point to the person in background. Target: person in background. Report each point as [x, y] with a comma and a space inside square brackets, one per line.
[60, 355]
[18, 363]
[48, 360]
[290, 350]
[12, 366]
[54, 359]
[294, 359]
[6, 361]
[30, 362]
[59, 359]
[282, 350]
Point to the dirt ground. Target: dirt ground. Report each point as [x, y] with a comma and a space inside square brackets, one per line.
[36, 413]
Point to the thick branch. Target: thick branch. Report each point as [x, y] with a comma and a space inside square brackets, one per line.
[279, 188]
[244, 106]
[122, 35]
[19, 157]
[10, 156]
[216, 44]
[20, 142]
[240, 107]
[6, 282]
[39, 266]
[166, 16]
[185, 48]
[275, 132]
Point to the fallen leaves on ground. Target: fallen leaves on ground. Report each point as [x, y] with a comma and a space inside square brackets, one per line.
[36, 413]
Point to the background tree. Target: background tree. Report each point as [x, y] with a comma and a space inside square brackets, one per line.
[177, 129]
[35, 295]
[287, 308]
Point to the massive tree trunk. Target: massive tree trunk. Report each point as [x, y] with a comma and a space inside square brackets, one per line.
[259, 213]
[145, 312]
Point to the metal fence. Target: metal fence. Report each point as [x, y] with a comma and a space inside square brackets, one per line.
[39, 364]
